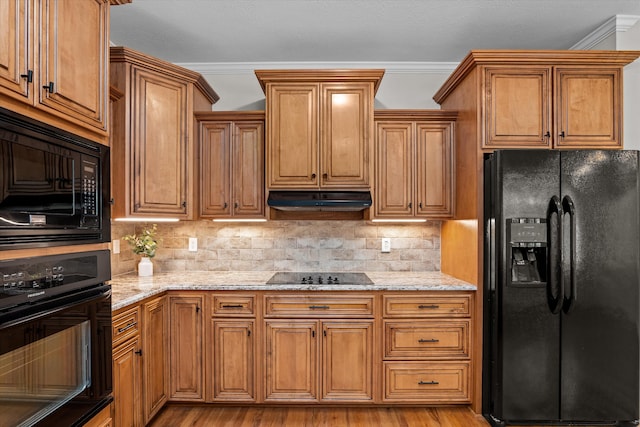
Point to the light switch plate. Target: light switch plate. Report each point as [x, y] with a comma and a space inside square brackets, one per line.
[193, 244]
[115, 246]
[386, 244]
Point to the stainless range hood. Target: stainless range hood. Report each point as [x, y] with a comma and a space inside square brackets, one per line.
[330, 201]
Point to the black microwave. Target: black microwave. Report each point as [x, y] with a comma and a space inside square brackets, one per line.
[54, 186]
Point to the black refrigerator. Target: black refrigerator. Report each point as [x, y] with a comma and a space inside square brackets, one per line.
[561, 287]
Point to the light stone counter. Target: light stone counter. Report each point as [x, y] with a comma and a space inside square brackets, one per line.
[129, 288]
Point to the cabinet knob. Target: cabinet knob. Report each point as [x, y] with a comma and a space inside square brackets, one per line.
[235, 205]
[49, 87]
[325, 175]
[225, 205]
[313, 176]
[139, 352]
[546, 135]
[562, 134]
[184, 204]
[410, 204]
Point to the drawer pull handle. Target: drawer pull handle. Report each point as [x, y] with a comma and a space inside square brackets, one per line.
[126, 328]
[422, 340]
[232, 306]
[319, 307]
[428, 383]
[432, 306]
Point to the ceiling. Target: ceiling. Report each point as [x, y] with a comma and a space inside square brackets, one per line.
[258, 31]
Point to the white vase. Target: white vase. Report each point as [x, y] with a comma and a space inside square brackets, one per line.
[145, 267]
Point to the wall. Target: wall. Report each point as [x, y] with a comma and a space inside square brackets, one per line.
[286, 246]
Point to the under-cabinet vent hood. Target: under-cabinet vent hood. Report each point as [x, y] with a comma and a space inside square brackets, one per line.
[319, 200]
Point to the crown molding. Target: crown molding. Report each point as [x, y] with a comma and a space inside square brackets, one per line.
[618, 23]
[250, 67]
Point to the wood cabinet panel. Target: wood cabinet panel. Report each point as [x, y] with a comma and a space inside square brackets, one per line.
[155, 368]
[73, 62]
[414, 164]
[347, 361]
[427, 306]
[127, 384]
[186, 351]
[233, 305]
[318, 305]
[102, 419]
[54, 58]
[232, 164]
[423, 382]
[292, 138]
[291, 368]
[427, 339]
[125, 325]
[589, 107]
[518, 107]
[233, 360]
[153, 138]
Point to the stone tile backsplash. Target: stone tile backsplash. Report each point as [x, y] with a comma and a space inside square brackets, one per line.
[286, 246]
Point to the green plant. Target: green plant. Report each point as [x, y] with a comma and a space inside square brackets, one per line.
[145, 243]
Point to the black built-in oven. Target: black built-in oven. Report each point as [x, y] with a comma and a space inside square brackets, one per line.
[54, 186]
[55, 339]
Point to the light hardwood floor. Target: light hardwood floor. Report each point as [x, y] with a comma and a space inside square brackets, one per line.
[201, 416]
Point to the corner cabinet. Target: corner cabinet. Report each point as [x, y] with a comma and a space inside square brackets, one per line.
[231, 164]
[153, 142]
[319, 127]
[54, 57]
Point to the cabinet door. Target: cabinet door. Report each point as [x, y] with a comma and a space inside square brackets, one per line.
[434, 169]
[347, 361]
[291, 361]
[127, 381]
[16, 57]
[293, 136]
[155, 358]
[215, 169]
[346, 134]
[73, 59]
[394, 169]
[248, 169]
[159, 150]
[233, 360]
[588, 111]
[186, 333]
[517, 107]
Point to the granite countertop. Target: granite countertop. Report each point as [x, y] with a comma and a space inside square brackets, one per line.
[129, 288]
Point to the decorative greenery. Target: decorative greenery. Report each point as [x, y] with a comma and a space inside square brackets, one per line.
[145, 243]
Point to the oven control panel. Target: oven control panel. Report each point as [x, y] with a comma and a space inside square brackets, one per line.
[25, 279]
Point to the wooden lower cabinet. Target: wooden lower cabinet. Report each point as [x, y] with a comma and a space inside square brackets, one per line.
[427, 355]
[186, 351]
[104, 418]
[140, 368]
[297, 355]
[233, 360]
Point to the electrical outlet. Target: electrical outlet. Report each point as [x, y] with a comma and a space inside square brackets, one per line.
[115, 246]
[193, 244]
[386, 244]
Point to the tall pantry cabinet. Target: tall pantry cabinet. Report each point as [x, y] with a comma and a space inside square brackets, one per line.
[54, 63]
[520, 99]
[153, 137]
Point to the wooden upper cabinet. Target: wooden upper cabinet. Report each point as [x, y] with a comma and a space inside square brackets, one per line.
[231, 164]
[153, 142]
[56, 58]
[319, 127]
[542, 99]
[414, 163]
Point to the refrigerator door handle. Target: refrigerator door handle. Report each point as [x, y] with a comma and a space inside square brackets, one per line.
[569, 207]
[555, 280]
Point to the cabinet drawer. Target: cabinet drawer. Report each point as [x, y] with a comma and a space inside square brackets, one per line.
[125, 325]
[427, 306]
[426, 339]
[318, 306]
[424, 382]
[233, 305]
